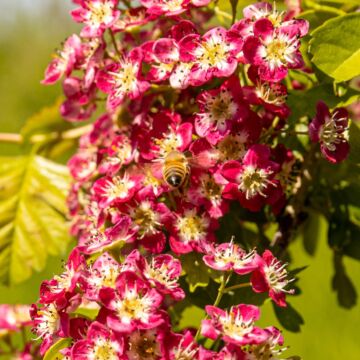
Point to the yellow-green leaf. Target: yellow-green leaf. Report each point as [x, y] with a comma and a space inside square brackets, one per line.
[33, 194]
[54, 351]
[336, 47]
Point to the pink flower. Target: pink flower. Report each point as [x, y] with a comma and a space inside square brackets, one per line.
[269, 94]
[110, 191]
[80, 102]
[102, 273]
[97, 15]
[191, 230]
[235, 326]
[271, 276]
[273, 50]
[62, 285]
[213, 54]
[269, 349]
[218, 108]
[329, 130]
[230, 256]
[82, 165]
[163, 7]
[49, 323]
[252, 182]
[64, 61]
[99, 342]
[162, 273]
[149, 219]
[94, 240]
[184, 346]
[133, 305]
[206, 190]
[119, 153]
[123, 79]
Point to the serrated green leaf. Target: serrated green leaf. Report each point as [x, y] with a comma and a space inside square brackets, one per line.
[33, 194]
[54, 351]
[335, 47]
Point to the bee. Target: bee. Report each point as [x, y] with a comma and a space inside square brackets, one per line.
[176, 166]
[176, 169]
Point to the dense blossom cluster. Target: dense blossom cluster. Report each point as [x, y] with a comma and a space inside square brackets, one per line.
[130, 303]
[192, 122]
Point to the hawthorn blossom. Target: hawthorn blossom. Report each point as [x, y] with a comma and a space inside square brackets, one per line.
[253, 182]
[230, 256]
[218, 108]
[162, 273]
[273, 50]
[102, 273]
[123, 79]
[97, 15]
[191, 231]
[235, 326]
[329, 130]
[99, 343]
[61, 285]
[133, 305]
[64, 60]
[49, 322]
[271, 276]
[114, 190]
[213, 54]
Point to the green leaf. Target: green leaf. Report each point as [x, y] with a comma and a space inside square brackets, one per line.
[311, 233]
[197, 273]
[54, 351]
[336, 47]
[47, 120]
[288, 317]
[33, 194]
[316, 17]
[303, 103]
[234, 4]
[342, 284]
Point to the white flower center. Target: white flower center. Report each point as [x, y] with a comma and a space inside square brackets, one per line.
[232, 147]
[146, 219]
[213, 52]
[118, 188]
[191, 227]
[101, 12]
[104, 349]
[254, 181]
[133, 307]
[276, 276]
[50, 321]
[125, 80]
[332, 134]
[235, 326]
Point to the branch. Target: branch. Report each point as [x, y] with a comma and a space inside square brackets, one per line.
[38, 138]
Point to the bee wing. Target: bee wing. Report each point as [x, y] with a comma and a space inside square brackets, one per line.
[205, 159]
[156, 168]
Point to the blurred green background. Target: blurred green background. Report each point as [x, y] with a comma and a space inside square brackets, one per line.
[30, 30]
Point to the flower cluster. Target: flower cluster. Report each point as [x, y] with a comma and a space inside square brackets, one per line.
[130, 304]
[193, 125]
